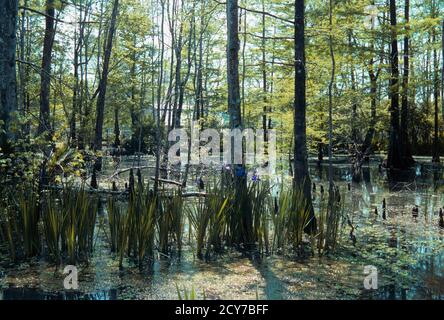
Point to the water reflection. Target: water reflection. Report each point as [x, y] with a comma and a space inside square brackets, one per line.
[422, 186]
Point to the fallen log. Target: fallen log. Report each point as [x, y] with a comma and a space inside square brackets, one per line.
[166, 181]
[119, 172]
[123, 193]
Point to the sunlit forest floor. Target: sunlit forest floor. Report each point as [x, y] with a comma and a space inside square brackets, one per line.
[408, 252]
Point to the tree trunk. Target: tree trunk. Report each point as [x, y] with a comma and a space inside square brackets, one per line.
[264, 78]
[184, 81]
[100, 107]
[234, 102]
[301, 177]
[394, 160]
[436, 98]
[8, 82]
[330, 101]
[72, 125]
[234, 110]
[405, 141]
[116, 127]
[45, 74]
[159, 100]
[442, 70]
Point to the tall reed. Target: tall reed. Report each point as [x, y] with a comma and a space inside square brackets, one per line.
[30, 214]
[290, 220]
[132, 231]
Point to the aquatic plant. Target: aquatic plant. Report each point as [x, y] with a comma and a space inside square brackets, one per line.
[30, 214]
[146, 229]
[53, 225]
[185, 294]
[170, 221]
[208, 219]
[7, 228]
[259, 195]
[331, 213]
[132, 231]
[79, 210]
[290, 220]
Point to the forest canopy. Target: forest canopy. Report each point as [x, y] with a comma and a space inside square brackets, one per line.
[89, 73]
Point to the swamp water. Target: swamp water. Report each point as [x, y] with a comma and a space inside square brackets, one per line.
[408, 252]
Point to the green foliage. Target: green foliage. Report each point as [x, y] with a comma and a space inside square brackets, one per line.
[292, 217]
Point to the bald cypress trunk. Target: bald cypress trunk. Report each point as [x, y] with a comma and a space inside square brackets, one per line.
[436, 155]
[405, 141]
[245, 234]
[394, 160]
[301, 177]
[45, 73]
[8, 83]
[100, 107]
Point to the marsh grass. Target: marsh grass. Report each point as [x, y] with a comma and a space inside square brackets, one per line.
[132, 226]
[208, 220]
[79, 212]
[8, 227]
[62, 224]
[171, 222]
[58, 224]
[29, 218]
[290, 220]
[330, 216]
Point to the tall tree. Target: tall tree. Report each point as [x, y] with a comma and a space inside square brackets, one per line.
[156, 110]
[45, 73]
[405, 141]
[100, 107]
[234, 110]
[264, 75]
[301, 177]
[435, 152]
[234, 101]
[8, 83]
[442, 70]
[395, 159]
[330, 98]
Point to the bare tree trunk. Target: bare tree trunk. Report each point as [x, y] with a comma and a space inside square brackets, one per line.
[116, 127]
[233, 65]
[184, 81]
[394, 160]
[264, 77]
[330, 101]
[8, 82]
[100, 107]
[234, 110]
[405, 141]
[435, 94]
[45, 74]
[442, 69]
[75, 91]
[21, 67]
[159, 100]
[301, 177]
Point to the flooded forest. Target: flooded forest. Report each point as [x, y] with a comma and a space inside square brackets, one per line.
[221, 150]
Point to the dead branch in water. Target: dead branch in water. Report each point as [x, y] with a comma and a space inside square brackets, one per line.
[124, 193]
[119, 172]
[179, 184]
